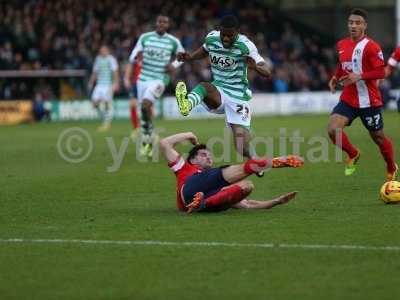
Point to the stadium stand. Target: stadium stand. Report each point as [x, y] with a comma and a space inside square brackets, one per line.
[38, 34]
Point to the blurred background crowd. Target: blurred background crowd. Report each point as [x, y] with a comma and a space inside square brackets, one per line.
[39, 34]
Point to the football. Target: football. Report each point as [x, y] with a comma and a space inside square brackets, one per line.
[390, 192]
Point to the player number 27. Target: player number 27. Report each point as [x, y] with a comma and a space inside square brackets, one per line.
[373, 120]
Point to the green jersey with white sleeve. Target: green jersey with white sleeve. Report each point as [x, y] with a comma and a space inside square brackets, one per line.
[228, 65]
[157, 53]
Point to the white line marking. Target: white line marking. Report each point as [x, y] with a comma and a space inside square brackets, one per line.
[200, 244]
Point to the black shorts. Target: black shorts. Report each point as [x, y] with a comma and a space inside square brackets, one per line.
[209, 182]
[133, 91]
[371, 117]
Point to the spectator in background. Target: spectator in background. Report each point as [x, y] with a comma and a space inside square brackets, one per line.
[40, 111]
[39, 34]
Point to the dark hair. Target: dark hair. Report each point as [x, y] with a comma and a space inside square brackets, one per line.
[162, 16]
[230, 21]
[193, 152]
[359, 12]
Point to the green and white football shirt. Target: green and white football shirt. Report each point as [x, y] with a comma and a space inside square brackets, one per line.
[157, 53]
[104, 67]
[228, 65]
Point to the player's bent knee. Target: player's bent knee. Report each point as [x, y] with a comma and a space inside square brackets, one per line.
[333, 128]
[133, 103]
[247, 186]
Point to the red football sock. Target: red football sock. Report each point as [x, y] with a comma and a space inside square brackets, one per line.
[134, 118]
[225, 198]
[387, 152]
[344, 144]
[251, 166]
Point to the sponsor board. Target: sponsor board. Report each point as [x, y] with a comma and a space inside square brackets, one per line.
[15, 111]
[83, 110]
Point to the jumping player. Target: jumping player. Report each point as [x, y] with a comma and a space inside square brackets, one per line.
[230, 54]
[131, 86]
[200, 187]
[360, 65]
[105, 74]
[158, 48]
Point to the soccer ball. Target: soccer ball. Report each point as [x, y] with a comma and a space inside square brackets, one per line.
[390, 192]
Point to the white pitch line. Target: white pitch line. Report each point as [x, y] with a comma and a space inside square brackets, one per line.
[201, 244]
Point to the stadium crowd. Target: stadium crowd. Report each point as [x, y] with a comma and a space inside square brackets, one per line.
[39, 34]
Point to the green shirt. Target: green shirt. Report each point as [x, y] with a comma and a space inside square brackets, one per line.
[228, 65]
[157, 53]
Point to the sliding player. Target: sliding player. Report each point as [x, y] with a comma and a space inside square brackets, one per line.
[360, 65]
[200, 187]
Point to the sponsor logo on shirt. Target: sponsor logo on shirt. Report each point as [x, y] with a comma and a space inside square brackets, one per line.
[222, 61]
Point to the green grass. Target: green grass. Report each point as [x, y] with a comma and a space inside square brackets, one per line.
[44, 197]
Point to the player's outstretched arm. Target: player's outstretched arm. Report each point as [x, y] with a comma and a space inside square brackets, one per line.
[168, 144]
[92, 80]
[127, 75]
[116, 80]
[266, 204]
[197, 54]
[263, 69]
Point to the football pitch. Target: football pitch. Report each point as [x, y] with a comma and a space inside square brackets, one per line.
[97, 229]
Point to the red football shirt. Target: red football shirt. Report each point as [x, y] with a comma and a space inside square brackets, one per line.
[358, 57]
[182, 170]
[394, 58]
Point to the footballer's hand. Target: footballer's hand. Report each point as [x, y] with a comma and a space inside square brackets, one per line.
[251, 64]
[169, 69]
[332, 84]
[192, 138]
[127, 83]
[349, 79]
[183, 56]
[286, 197]
[115, 87]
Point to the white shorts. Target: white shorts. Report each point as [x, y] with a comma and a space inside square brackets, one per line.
[102, 93]
[236, 111]
[150, 90]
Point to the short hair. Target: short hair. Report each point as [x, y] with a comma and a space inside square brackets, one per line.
[359, 12]
[230, 21]
[193, 152]
[162, 16]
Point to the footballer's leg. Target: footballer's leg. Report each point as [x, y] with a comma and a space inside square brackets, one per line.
[386, 148]
[372, 120]
[203, 92]
[222, 199]
[337, 122]
[242, 137]
[96, 105]
[134, 117]
[108, 115]
[238, 172]
[146, 127]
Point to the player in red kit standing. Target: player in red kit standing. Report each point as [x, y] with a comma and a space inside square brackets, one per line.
[132, 88]
[392, 63]
[360, 66]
